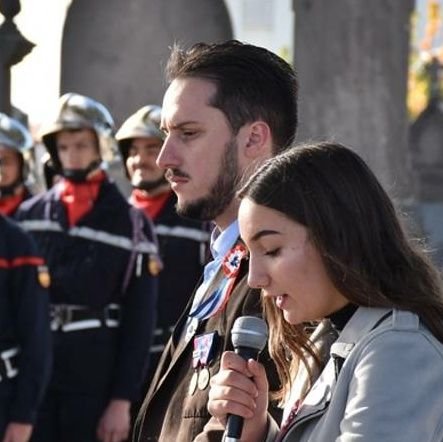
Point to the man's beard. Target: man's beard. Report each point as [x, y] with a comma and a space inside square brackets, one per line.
[222, 192]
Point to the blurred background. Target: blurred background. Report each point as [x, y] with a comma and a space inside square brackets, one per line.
[369, 72]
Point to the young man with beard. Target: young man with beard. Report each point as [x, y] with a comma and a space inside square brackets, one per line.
[99, 251]
[15, 144]
[228, 107]
[182, 242]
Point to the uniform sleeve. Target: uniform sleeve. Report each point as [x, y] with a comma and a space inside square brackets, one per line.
[31, 308]
[396, 391]
[139, 306]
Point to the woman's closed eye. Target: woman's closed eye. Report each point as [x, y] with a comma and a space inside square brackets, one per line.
[273, 252]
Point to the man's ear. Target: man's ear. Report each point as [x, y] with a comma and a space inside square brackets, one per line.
[258, 140]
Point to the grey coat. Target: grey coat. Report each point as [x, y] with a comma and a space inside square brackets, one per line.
[389, 387]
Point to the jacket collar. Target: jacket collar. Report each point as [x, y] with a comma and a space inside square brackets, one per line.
[361, 323]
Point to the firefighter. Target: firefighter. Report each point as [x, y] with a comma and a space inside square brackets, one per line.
[182, 242]
[103, 261]
[25, 348]
[15, 146]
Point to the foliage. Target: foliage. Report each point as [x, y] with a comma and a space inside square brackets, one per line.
[424, 48]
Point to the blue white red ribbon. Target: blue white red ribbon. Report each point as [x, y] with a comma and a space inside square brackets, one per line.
[218, 299]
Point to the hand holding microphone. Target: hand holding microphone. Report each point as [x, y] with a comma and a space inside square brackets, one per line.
[240, 389]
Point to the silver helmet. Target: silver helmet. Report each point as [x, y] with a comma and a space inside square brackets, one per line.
[79, 112]
[15, 136]
[145, 123]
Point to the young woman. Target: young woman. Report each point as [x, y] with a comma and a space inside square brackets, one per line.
[327, 246]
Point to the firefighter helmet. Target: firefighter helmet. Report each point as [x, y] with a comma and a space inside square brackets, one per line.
[15, 136]
[145, 123]
[79, 112]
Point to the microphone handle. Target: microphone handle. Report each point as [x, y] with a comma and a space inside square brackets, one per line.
[247, 353]
[234, 427]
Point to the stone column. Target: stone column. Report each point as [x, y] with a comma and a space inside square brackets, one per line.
[352, 59]
[115, 50]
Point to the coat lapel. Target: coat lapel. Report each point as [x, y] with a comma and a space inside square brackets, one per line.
[179, 335]
[178, 344]
[317, 400]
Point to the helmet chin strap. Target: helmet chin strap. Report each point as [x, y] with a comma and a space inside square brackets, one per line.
[149, 186]
[80, 175]
[10, 189]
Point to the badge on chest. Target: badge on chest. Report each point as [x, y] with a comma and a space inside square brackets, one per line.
[205, 350]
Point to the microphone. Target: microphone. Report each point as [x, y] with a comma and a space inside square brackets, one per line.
[249, 335]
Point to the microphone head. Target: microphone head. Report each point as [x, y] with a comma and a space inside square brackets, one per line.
[250, 332]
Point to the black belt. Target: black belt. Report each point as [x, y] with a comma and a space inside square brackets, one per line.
[9, 363]
[68, 317]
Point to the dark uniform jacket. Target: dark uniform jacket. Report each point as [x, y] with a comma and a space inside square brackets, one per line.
[24, 325]
[88, 263]
[173, 410]
[183, 245]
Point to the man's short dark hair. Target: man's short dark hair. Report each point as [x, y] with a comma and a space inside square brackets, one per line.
[252, 84]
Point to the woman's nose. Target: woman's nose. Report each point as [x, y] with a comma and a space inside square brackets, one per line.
[257, 278]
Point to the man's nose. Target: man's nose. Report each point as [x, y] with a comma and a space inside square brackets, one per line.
[167, 157]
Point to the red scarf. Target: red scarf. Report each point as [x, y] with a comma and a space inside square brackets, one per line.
[151, 206]
[79, 198]
[9, 204]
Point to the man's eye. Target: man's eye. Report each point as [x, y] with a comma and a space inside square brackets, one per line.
[189, 133]
[273, 252]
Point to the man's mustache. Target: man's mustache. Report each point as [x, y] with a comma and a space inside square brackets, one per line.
[175, 173]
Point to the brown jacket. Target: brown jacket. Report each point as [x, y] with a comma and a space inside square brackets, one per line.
[170, 413]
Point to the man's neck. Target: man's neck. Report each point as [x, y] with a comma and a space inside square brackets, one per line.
[224, 220]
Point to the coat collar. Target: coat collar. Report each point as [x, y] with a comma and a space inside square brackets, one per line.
[361, 323]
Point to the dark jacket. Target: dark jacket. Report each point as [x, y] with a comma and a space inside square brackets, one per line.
[88, 264]
[171, 412]
[24, 324]
[183, 245]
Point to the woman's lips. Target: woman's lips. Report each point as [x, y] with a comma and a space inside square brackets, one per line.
[280, 301]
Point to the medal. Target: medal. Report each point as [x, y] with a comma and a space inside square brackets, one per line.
[193, 384]
[154, 265]
[203, 378]
[203, 354]
[191, 329]
[204, 349]
[43, 276]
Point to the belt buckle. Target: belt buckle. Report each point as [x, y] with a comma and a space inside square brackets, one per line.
[66, 314]
[111, 322]
[61, 314]
[10, 367]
